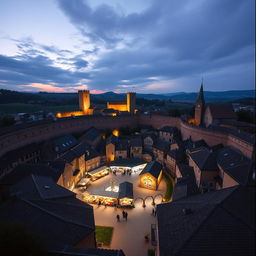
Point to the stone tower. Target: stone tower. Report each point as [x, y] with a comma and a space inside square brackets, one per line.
[131, 102]
[84, 100]
[199, 107]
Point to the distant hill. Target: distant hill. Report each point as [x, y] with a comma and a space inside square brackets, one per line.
[215, 96]
[7, 96]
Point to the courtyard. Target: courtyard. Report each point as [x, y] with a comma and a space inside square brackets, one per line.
[128, 235]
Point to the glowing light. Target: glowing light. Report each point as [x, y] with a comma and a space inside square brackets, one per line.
[113, 189]
[115, 132]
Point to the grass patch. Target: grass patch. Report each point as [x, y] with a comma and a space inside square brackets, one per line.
[104, 235]
[169, 187]
[151, 252]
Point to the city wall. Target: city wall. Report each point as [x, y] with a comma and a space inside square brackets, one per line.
[40, 132]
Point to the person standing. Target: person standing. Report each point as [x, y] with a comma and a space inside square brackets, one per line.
[123, 212]
[126, 216]
[153, 212]
[118, 217]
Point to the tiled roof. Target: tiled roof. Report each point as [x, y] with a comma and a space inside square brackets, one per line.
[153, 167]
[185, 186]
[205, 159]
[69, 156]
[80, 149]
[64, 143]
[51, 212]
[177, 154]
[221, 110]
[235, 164]
[161, 145]
[122, 144]
[91, 135]
[125, 190]
[209, 224]
[149, 134]
[112, 139]
[23, 170]
[36, 186]
[193, 145]
[136, 142]
[185, 169]
[92, 154]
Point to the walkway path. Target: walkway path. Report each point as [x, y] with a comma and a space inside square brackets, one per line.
[128, 236]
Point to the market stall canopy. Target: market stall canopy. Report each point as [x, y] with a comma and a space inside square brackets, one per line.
[128, 162]
[98, 170]
[125, 190]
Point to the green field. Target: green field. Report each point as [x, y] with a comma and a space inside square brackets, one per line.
[104, 235]
[13, 108]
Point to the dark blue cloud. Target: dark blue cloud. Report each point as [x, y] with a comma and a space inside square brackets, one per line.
[170, 40]
[37, 69]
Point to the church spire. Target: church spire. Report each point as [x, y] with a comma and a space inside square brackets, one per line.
[199, 107]
[201, 93]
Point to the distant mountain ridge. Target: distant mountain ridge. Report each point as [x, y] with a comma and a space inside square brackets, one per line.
[7, 96]
[210, 96]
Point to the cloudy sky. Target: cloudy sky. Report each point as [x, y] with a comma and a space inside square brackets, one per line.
[149, 46]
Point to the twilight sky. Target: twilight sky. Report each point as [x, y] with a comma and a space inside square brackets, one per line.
[149, 46]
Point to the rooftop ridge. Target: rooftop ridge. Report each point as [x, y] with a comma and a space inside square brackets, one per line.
[53, 214]
[214, 207]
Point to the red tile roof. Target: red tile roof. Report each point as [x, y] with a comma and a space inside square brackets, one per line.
[221, 111]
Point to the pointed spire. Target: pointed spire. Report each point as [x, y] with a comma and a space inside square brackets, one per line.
[201, 93]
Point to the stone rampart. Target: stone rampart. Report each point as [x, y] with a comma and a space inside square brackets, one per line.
[37, 132]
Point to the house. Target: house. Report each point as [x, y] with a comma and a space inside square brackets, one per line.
[160, 148]
[173, 158]
[151, 175]
[235, 168]
[183, 170]
[193, 146]
[92, 159]
[136, 147]
[216, 223]
[185, 187]
[75, 164]
[55, 148]
[101, 149]
[51, 212]
[205, 167]
[185, 184]
[111, 148]
[28, 154]
[121, 150]
[92, 137]
[23, 170]
[147, 156]
[125, 194]
[168, 133]
[148, 140]
[218, 112]
[212, 113]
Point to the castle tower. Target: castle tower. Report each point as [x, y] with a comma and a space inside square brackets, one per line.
[199, 107]
[131, 102]
[84, 99]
